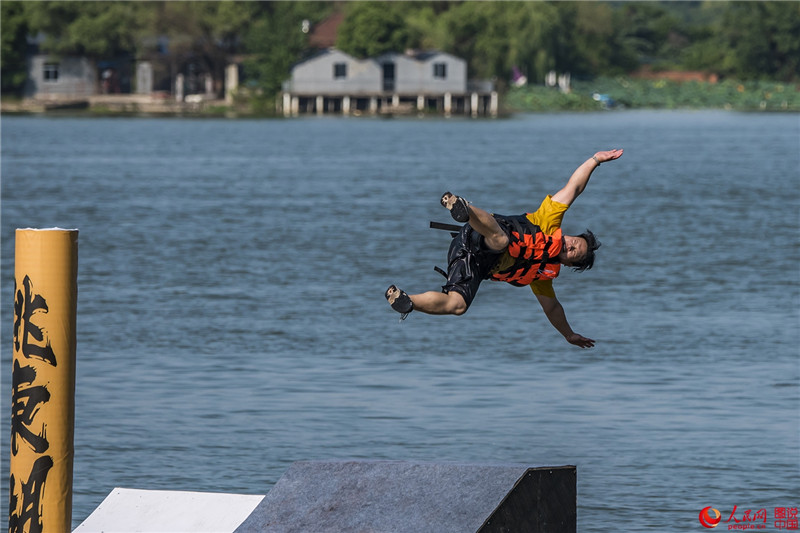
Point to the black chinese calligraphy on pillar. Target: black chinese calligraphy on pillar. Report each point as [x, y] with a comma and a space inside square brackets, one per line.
[25, 402]
[43, 381]
[25, 305]
[31, 492]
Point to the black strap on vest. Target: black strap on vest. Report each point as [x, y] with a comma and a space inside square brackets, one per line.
[447, 227]
[545, 255]
[453, 229]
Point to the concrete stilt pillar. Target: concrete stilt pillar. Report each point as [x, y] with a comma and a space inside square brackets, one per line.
[232, 83]
[209, 86]
[448, 104]
[320, 105]
[346, 105]
[295, 105]
[179, 88]
[420, 103]
[474, 104]
[144, 78]
[287, 104]
[373, 105]
[493, 104]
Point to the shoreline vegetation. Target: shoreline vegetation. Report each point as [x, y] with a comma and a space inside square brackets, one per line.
[608, 93]
[658, 93]
[617, 55]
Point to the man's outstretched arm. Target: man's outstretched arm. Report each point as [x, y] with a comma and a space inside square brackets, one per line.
[577, 182]
[555, 314]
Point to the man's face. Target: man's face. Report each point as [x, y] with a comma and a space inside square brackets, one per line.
[575, 249]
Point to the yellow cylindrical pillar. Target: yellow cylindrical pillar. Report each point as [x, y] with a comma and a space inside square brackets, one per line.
[43, 388]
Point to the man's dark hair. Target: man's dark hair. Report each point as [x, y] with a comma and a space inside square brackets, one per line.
[587, 261]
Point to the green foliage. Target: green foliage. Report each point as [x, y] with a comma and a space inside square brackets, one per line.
[496, 36]
[747, 40]
[538, 98]
[94, 29]
[275, 41]
[13, 32]
[762, 39]
[659, 94]
[209, 28]
[598, 40]
[645, 28]
[194, 35]
[373, 28]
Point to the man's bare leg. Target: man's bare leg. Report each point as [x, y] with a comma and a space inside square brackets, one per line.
[431, 302]
[484, 223]
[452, 303]
[439, 303]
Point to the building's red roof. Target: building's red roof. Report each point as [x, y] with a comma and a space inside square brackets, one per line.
[323, 35]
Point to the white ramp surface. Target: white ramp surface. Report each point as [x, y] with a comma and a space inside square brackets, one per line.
[157, 511]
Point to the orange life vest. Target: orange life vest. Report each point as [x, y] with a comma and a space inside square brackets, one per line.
[535, 253]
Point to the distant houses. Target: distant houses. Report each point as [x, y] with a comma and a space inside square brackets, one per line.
[332, 81]
[329, 81]
[53, 77]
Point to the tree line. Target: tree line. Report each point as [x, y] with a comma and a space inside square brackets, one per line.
[748, 40]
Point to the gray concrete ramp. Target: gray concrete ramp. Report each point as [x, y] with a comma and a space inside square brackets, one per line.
[399, 497]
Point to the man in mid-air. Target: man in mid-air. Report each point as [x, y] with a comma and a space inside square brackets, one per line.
[521, 250]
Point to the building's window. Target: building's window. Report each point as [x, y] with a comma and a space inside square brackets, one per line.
[339, 70]
[51, 72]
[440, 70]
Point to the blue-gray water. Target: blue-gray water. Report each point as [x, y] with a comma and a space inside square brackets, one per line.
[232, 320]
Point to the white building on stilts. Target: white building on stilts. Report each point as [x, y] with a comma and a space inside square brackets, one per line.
[393, 83]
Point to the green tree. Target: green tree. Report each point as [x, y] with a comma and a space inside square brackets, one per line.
[540, 35]
[94, 29]
[194, 38]
[474, 33]
[644, 28]
[592, 42]
[275, 41]
[705, 50]
[374, 28]
[13, 32]
[425, 24]
[494, 37]
[748, 41]
[762, 39]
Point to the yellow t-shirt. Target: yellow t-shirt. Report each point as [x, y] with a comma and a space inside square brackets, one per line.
[548, 217]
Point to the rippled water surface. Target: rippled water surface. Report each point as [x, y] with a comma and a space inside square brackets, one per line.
[232, 321]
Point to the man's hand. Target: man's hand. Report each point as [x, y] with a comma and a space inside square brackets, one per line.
[580, 340]
[609, 155]
[555, 314]
[577, 182]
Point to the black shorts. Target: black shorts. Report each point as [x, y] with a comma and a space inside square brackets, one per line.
[469, 262]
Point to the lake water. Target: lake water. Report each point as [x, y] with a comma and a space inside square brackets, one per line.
[232, 320]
